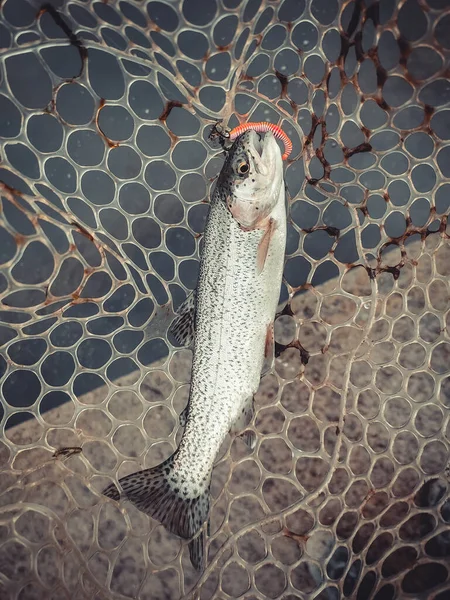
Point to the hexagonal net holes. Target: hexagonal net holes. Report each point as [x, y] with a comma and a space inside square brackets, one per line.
[106, 170]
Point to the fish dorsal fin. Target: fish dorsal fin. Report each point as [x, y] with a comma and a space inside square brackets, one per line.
[182, 327]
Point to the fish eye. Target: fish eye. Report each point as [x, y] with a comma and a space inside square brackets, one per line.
[243, 167]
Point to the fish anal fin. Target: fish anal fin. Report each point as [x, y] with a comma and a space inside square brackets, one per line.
[244, 417]
[182, 327]
[263, 246]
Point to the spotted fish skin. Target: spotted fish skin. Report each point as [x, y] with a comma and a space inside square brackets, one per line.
[236, 300]
[235, 307]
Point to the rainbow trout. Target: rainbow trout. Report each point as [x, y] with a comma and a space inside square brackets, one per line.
[230, 318]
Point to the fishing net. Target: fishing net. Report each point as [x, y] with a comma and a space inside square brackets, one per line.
[106, 171]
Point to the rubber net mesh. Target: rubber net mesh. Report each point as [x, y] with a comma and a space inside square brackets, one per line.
[106, 171]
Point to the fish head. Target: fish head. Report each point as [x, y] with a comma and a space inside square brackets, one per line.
[252, 178]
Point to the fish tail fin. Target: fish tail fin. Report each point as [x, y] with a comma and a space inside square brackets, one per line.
[162, 494]
[197, 551]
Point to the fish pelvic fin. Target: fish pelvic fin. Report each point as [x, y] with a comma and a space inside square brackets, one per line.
[158, 492]
[182, 327]
[184, 416]
[269, 346]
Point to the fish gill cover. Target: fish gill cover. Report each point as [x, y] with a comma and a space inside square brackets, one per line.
[106, 170]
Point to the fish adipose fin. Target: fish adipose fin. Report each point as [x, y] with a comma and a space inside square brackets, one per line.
[182, 327]
[157, 493]
[263, 247]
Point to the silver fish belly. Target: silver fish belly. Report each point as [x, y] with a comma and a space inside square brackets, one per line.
[232, 317]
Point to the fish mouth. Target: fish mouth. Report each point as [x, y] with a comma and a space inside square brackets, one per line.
[258, 143]
[261, 144]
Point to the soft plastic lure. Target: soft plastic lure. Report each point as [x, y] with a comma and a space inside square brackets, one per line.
[262, 127]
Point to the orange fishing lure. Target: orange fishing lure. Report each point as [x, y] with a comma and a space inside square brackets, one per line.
[262, 127]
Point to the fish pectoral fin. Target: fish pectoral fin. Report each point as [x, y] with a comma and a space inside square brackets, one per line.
[263, 246]
[182, 327]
